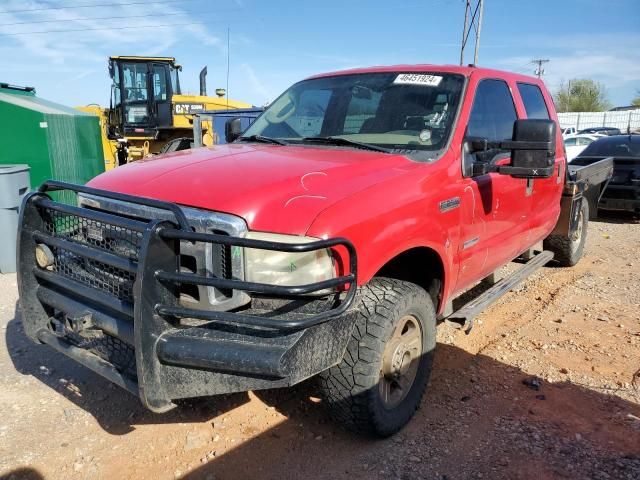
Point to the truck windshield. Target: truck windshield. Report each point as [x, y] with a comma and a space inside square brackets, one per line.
[396, 111]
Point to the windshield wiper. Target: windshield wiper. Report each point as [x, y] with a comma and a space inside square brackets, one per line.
[262, 139]
[346, 142]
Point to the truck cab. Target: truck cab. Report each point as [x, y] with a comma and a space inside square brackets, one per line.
[327, 239]
[142, 91]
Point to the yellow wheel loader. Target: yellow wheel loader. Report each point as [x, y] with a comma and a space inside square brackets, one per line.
[148, 113]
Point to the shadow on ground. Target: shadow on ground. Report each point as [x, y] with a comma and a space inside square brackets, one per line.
[22, 474]
[613, 216]
[116, 410]
[478, 420]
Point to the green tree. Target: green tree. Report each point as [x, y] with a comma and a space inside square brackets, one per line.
[582, 95]
[636, 101]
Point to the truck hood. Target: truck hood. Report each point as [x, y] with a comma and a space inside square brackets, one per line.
[273, 188]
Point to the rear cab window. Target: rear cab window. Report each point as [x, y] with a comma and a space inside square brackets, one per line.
[533, 101]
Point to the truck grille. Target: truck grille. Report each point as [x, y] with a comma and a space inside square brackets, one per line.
[203, 259]
[102, 236]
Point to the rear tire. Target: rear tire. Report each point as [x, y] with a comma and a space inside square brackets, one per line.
[568, 250]
[379, 384]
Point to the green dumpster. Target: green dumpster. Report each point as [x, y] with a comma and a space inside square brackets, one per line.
[57, 142]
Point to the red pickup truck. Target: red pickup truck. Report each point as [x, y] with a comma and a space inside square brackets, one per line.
[328, 239]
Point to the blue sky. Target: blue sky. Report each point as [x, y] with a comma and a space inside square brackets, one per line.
[275, 43]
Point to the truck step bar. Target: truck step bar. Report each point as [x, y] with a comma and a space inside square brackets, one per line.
[465, 315]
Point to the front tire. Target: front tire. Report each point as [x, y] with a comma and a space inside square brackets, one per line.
[568, 250]
[379, 384]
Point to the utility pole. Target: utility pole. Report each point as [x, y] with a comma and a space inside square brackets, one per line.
[475, 24]
[540, 61]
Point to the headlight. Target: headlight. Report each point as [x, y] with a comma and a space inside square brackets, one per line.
[282, 268]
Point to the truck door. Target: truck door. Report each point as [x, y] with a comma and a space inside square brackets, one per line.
[544, 206]
[494, 207]
[161, 95]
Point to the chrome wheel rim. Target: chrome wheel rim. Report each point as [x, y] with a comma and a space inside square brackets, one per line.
[400, 361]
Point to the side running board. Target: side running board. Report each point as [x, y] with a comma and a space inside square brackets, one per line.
[465, 315]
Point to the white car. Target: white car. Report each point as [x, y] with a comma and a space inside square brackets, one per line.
[566, 131]
[574, 144]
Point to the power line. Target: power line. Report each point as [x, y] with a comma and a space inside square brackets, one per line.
[91, 6]
[78, 19]
[83, 18]
[103, 28]
[524, 68]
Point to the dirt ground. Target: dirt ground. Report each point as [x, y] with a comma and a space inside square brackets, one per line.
[574, 331]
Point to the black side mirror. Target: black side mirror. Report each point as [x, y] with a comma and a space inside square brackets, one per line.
[533, 148]
[232, 129]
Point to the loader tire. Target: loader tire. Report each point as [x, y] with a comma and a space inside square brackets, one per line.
[568, 250]
[379, 384]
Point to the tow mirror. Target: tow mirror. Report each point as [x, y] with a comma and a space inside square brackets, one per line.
[232, 129]
[533, 149]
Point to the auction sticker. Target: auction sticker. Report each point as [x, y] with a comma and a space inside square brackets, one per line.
[418, 79]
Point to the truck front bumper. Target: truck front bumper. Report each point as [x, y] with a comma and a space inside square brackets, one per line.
[89, 277]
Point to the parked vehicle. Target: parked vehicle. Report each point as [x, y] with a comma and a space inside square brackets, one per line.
[574, 144]
[148, 112]
[566, 131]
[601, 131]
[328, 239]
[623, 190]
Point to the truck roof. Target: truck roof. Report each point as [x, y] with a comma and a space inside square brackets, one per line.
[139, 58]
[466, 70]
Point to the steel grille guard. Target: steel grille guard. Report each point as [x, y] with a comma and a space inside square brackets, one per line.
[256, 344]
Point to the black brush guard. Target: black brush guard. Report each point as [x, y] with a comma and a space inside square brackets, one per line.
[132, 298]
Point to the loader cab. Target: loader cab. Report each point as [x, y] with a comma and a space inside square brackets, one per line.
[141, 93]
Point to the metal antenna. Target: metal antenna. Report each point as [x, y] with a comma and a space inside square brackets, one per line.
[467, 7]
[228, 54]
[476, 25]
[478, 29]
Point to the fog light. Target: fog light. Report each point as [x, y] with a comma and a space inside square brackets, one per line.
[44, 256]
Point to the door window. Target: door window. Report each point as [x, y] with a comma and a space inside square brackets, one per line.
[493, 112]
[533, 101]
[159, 83]
[492, 116]
[570, 142]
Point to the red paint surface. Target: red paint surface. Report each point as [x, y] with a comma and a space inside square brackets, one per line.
[385, 204]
